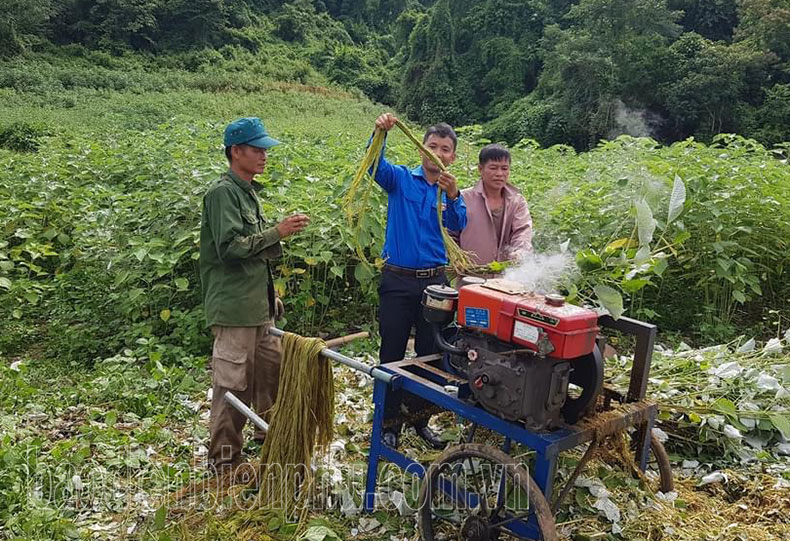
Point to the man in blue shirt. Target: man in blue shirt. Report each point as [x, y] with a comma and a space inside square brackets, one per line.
[414, 252]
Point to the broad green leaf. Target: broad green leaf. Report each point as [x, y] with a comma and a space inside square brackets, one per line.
[280, 287]
[120, 278]
[135, 294]
[159, 518]
[587, 260]
[319, 533]
[781, 422]
[645, 223]
[610, 299]
[617, 244]
[337, 270]
[681, 237]
[725, 406]
[738, 296]
[289, 529]
[182, 284]
[573, 293]
[164, 315]
[676, 200]
[660, 266]
[5, 283]
[632, 286]
[642, 255]
[363, 273]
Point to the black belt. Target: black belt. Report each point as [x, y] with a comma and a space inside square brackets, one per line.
[415, 273]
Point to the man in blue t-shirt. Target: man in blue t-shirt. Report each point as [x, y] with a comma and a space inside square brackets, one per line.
[414, 252]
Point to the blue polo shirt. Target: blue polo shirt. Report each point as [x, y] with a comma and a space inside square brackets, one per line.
[413, 238]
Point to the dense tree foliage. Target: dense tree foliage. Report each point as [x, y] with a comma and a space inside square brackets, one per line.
[557, 71]
[22, 24]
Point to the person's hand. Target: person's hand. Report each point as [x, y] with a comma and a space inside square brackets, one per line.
[516, 254]
[292, 224]
[279, 308]
[386, 121]
[448, 183]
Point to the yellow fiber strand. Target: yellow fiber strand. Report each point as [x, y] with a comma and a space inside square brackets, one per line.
[301, 419]
[356, 200]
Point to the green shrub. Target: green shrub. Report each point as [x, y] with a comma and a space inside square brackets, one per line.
[530, 118]
[22, 136]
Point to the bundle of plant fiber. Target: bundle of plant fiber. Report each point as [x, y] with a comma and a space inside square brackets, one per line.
[356, 200]
[301, 420]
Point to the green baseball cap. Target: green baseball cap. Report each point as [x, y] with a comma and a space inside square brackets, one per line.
[249, 131]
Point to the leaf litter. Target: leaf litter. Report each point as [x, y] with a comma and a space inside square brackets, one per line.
[725, 487]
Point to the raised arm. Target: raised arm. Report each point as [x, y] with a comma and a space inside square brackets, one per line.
[385, 173]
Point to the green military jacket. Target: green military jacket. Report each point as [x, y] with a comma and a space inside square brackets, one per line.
[235, 247]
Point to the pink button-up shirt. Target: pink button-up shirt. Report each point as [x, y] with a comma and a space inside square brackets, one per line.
[480, 237]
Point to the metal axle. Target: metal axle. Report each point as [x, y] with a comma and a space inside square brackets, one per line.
[246, 411]
[371, 371]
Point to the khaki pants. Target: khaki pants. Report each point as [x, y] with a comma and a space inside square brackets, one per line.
[246, 361]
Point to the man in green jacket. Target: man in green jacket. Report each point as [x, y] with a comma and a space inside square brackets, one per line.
[238, 295]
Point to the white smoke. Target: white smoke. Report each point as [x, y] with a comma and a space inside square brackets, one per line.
[542, 273]
[633, 122]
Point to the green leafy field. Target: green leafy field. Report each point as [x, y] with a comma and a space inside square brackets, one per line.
[103, 350]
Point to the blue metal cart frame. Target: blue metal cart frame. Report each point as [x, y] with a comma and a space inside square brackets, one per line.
[423, 377]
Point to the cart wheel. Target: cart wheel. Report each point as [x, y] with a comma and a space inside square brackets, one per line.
[659, 461]
[659, 470]
[475, 492]
[587, 373]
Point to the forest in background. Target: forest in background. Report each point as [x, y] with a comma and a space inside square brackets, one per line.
[556, 71]
[111, 117]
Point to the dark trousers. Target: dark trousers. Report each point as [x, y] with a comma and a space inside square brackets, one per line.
[400, 307]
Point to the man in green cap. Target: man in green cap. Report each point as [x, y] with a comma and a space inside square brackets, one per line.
[236, 245]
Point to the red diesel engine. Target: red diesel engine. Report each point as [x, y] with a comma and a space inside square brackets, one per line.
[544, 324]
[519, 351]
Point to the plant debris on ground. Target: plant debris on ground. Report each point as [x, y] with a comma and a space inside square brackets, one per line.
[97, 454]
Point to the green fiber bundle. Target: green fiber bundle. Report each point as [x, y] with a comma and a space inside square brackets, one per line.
[301, 419]
[356, 200]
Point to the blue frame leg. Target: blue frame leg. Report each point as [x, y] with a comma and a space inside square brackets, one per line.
[379, 398]
[648, 431]
[544, 472]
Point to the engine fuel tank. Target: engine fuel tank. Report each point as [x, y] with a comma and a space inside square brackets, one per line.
[545, 324]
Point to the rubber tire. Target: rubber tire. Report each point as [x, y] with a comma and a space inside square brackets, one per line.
[586, 370]
[543, 513]
[666, 481]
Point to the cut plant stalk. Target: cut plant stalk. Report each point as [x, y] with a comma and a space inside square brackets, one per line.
[356, 198]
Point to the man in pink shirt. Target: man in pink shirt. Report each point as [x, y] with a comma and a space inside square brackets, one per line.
[499, 226]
